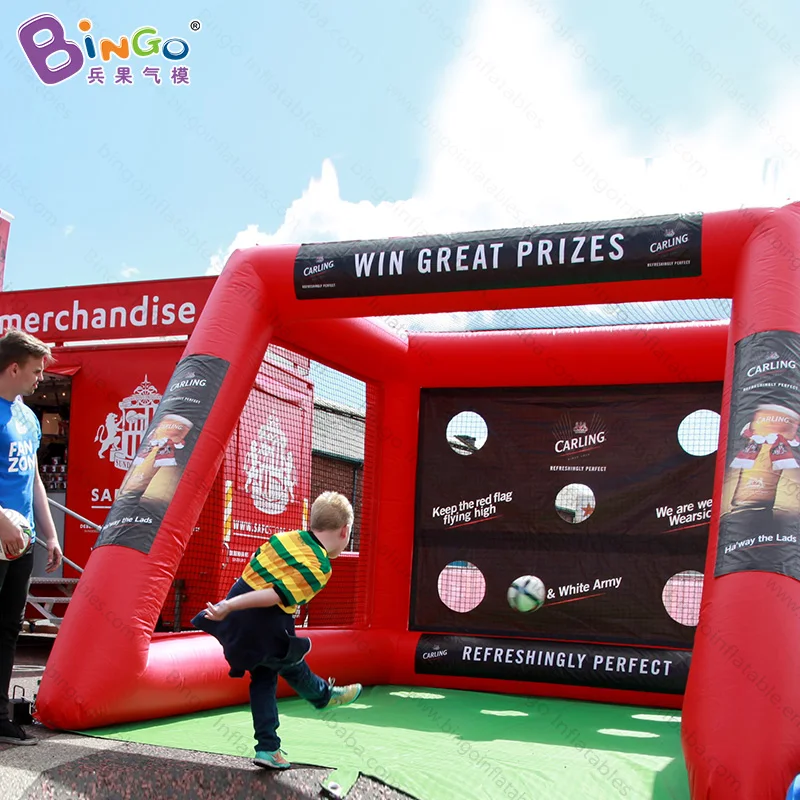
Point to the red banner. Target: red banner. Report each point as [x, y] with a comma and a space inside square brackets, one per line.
[5, 228]
[110, 411]
[108, 311]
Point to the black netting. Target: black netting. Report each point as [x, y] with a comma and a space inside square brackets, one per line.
[301, 432]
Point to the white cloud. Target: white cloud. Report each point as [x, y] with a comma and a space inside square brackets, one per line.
[68, 230]
[249, 237]
[128, 272]
[518, 136]
[321, 215]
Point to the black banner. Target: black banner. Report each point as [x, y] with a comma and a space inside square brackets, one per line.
[587, 488]
[151, 482]
[598, 252]
[631, 668]
[759, 525]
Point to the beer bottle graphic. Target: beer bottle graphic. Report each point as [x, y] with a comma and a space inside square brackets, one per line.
[771, 435]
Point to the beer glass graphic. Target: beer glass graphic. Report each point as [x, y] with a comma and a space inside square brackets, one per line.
[771, 434]
[157, 452]
[168, 436]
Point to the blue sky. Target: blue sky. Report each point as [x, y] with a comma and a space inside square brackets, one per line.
[309, 119]
[224, 151]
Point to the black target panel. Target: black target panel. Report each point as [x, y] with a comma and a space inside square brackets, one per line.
[602, 492]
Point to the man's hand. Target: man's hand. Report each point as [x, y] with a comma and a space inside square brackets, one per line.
[11, 539]
[218, 612]
[54, 556]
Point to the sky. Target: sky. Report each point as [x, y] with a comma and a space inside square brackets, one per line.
[314, 120]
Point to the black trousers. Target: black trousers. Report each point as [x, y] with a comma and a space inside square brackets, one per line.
[15, 578]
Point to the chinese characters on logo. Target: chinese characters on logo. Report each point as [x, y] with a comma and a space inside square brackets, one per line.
[124, 75]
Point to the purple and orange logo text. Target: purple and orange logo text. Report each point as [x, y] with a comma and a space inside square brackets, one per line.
[44, 41]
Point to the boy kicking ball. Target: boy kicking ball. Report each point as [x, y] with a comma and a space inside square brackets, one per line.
[255, 622]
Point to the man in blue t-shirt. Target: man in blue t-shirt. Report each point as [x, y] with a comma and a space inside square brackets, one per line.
[22, 362]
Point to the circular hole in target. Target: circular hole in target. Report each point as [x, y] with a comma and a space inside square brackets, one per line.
[575, 503]
[462, 586]
[467, 433]
[682, 596]
[698, 433]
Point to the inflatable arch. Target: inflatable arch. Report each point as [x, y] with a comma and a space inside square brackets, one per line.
[742, 701]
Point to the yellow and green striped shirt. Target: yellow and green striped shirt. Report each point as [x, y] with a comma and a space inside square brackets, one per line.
[294, 564]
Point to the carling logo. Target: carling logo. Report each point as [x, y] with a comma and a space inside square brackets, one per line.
[580, 437]
[670, 241]
[772, 361]
[321, 264]
[56, 59]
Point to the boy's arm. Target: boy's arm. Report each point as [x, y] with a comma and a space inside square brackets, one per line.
[261, 598]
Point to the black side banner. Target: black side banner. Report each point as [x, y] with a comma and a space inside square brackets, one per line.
[759, 526]
[575, 664]
[624, 250]
[151, 482]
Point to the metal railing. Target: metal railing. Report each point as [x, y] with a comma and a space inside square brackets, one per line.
[45, 605]
[80, 519]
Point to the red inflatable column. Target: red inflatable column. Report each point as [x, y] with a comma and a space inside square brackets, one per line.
[390, 582]
[741, 717]
[101, 666]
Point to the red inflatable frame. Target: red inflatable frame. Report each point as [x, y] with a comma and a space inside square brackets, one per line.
[107, 666]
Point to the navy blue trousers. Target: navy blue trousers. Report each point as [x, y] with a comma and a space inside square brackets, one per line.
[262, 641]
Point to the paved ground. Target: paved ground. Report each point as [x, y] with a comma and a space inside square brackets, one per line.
[73, 767]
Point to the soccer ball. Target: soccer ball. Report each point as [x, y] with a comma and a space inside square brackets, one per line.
[526, 593]
[27, 534]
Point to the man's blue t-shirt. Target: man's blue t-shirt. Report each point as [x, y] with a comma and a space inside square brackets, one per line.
[20, 436]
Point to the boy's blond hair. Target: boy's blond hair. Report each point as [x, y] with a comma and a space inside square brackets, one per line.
[330, 512]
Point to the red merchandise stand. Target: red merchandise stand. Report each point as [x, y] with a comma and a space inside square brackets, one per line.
[118, 372]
